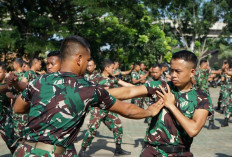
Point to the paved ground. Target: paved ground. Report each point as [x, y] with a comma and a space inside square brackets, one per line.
[209, 143]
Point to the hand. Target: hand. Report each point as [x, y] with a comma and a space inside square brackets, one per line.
[10, 95]
[156, 107]
[12, 79]
[168, 97]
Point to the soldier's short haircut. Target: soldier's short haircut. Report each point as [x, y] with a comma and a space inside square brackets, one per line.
[91, 59]
[71, 44]
[186, 56]
[54, 53]
[19, 61]
[164, 65]
[135, 64]
[156, 65]
[106, 63]
[143, 63]
[203, 61]
[3, 65]
[35, 60]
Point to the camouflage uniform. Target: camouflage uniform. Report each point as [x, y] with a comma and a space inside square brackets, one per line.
[19, 120]
[110, 119]
[30, 75]
[90, 77]
[201, 77]
[6, 122]
[165, 130]
[137, 101]
[227, 97]
[58, 106]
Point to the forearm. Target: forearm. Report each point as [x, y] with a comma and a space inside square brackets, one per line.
[191, 127]
[134, 81]
[124, 93]
[126, 72]
[20, 85]
[131, 111]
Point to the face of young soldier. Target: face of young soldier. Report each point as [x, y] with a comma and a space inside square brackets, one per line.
[38, 65]
[91, 66]
[142, 66]
[2, 74]
[25, 67]
[15, 65]
[181, 73]
[110, 69]
[205, 65]
[116, 65]
[53, 64]
[156, 73]
[137, 68]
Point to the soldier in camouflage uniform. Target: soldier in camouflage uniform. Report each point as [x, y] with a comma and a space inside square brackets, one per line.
[118, 73]
[26, 66]
[137, 80]
[110, 119]
[31, 74]
[19, 120]
[6, 122]
[57, 104]
[228, 98]
[91, 73]
[201, 78]
[224, 79]
[186, 109]
[53, 62]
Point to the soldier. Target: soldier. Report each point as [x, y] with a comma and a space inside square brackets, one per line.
[57, 104]
[31, 74]
[201, 78]
[228, 99]
[186, 109]
[110, 119]
[118, 72]
[26, 66]
[165, 76]
[137, 80]
[143, 72]
[91, 73]
[53, 62]
[6, 122]
[17, 65]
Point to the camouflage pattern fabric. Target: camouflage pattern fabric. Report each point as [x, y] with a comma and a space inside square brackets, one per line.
[19, 120]
[29, 151]
[227, 101]
[201, 77]
[6, 122]
[164, 129]
[142, 72]
[110, 119]
[30, 75]
[58, 106]
[118, 76]
[137, 101]
[90, 77]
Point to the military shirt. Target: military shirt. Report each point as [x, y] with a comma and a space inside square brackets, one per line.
[19, 75]
[106, 81]
[164, 128]
[142, 72]
[135, 75]
[30, 75]
[90, 77]
[5, 102]
[201, 77]
[58, 106]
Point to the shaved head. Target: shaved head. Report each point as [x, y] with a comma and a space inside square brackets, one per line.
[72, 45]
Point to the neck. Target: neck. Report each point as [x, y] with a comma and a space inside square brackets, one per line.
[19, 70]
[186, 87]
[67, 67]
[105, 74]
[33, 68]
[3, 81]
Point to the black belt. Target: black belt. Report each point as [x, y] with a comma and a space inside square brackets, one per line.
[171, 149]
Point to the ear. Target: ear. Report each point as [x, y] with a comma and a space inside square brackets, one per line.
[79, 59]
[192, 72]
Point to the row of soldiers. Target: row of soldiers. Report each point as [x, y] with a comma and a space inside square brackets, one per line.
[58, 102]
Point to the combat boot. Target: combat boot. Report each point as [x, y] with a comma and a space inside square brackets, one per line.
[82, 152]
[225, 123]
[212, 126]
[119, 151]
